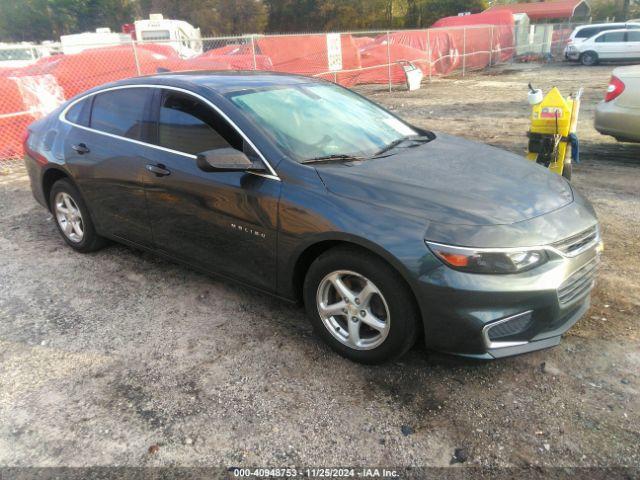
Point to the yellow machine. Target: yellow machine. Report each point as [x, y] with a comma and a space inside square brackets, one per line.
[553, 126]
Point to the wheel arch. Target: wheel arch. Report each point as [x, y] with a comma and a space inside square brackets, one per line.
[51, 176]
[313, 250]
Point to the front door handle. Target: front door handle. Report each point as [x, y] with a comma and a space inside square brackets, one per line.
[159, 170]
[81, 148]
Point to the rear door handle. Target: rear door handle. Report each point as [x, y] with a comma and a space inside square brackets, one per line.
[81, 148]
[159, 170]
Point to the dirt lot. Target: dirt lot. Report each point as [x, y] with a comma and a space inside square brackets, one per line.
[103, 356]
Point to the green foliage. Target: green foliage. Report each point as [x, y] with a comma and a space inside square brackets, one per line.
[37, 20]
[48, 19]
[615, 9]
[214, 17]
[423, 13]
[327, 15]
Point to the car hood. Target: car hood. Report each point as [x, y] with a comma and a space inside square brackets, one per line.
[452, 180]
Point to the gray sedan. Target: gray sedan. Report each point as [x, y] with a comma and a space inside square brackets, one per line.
[618, 114]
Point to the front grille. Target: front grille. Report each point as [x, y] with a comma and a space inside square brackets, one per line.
[575, 244]
[579, 283]
[503, 329]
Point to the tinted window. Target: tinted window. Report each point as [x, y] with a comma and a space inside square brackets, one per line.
[611, 37]
[591, 31]
[587, 32]
[188, 125]
[633, 36]
[120, 112]
[79, 113]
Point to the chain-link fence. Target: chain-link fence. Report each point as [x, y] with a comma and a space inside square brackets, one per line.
[32, 87]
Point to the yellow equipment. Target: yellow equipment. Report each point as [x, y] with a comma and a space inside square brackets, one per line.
[553, 121]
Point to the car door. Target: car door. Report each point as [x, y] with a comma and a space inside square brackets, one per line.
[224, 222]
[611, 45]
[633, 43]
[105, 153]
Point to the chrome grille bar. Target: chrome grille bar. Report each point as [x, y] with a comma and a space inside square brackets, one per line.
[579, 283]
[576, 244]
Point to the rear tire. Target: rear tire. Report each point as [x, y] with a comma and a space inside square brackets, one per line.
[589, 58]
[373, 320]
[72, 218]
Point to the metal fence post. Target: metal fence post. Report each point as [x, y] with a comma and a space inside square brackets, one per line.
[514, 49]
[429, 53]
[253, 51]
[135, 56]
[389, 58]
[491, 47]
[464, 50]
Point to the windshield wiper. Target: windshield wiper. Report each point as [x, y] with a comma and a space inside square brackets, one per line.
[395, 143]
[330, 158]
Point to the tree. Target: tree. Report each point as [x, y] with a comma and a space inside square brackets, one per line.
[615, 9]
[423, 13]
[36, 20]
[214, 17]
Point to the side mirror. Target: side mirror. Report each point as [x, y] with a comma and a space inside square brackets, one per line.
[224, 160]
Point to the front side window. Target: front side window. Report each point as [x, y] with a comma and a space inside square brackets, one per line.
[315, 120]
[188, 125]
[120, 112]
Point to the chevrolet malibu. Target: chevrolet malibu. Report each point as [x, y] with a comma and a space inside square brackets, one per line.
[308, 191]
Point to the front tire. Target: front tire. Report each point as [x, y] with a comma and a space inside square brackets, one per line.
[360, 306]
[72, 218]
[589, 58]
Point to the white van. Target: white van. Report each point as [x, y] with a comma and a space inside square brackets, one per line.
[178, 34]
[583, 32]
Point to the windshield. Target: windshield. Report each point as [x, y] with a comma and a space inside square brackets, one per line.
[155, 35]
[313, 121]
[16, 54]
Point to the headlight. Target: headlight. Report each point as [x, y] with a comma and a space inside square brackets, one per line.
[488, 260]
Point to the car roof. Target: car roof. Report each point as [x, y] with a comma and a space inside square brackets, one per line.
[611, 31]
[223, 81]
[597, 25]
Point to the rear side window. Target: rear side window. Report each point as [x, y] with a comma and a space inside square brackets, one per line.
[79, 113]
[120, 112]
[587, 32]
[190, 126]
[611, 37]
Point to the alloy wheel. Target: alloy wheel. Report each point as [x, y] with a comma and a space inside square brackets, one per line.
[353, 310]
[69, 217]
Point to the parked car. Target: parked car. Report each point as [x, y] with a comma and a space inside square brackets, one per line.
[618, 114]
[306, 190]
[584, 32]
[611, 45]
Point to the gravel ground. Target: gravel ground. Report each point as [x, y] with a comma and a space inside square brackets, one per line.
[121, 358]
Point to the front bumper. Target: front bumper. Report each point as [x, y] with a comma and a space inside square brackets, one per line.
[572, 55]
[495, 316]
[619, 122]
